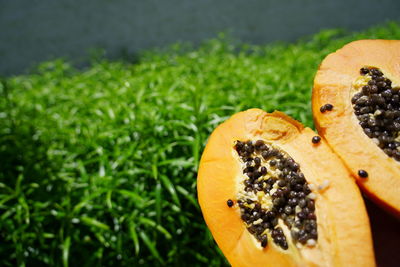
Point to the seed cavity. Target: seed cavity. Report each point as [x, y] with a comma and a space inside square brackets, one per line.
[273, 194]
[376, 104]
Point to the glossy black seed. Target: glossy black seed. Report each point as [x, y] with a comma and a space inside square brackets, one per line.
[306, 211]
[284, 244]
[248, 183]
[298, 187]
[285, 191]
[259, 230]
[306, 189]
[364, 110]
[249, 148]
[355, 97]
[311, 216]
[364, 71]
[274, 152]
[301, 180]
[250, 175]
[313, 234]
[362, 173]
[301, 215]
[275, 233]
[278, 201]
[266, 224]
[258, 144]
[281, 183]
[316, 139]
[308, 227]
[251, 229]
[288, 210]
[245, 216]
[257, 161]
[381, 85]
[301, 195]
[310, 204]
[373, 89]
[280, 166]
[376, 72]
[292, 194]
[292, 202]
[271, 181]
[303, 238]
[272, 163]
[326, 107]
[366, 89]
[313, 223]
[271, 214]
[264, 241]
[263, 170]
[298, 224]
[295, 166]
[265, 154]
[256, 174]
[302, 203]
[248, 169]
[239, 146]
[229, 203]
[387, 93]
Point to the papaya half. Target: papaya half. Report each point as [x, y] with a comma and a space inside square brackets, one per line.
[356, 108]
[273, 193]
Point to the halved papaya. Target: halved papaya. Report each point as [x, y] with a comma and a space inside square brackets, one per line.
[360, 86]
[274, 194]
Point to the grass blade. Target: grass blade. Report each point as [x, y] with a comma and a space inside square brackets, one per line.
[171, 189]
[153, 224]
[187, 195]
[65, 251]
[134, 237]
[150, 246]
[158, 202]
[94, 223]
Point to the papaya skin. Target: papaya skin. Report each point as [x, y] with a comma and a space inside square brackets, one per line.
[341, 215]
[333, 84]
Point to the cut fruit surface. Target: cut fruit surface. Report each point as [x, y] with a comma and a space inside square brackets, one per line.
[274, 194]
[361, 82]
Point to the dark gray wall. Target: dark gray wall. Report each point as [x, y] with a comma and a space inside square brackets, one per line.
[35, 30]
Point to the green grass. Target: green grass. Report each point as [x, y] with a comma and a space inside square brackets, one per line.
[98, 166]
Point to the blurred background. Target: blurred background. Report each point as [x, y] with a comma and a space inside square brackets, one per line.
[33, 31]
[106, 106]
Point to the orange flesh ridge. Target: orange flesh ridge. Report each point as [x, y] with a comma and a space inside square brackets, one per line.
[342, 220]
[333, 84]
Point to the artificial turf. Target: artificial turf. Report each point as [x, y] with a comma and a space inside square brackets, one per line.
[98, 165]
